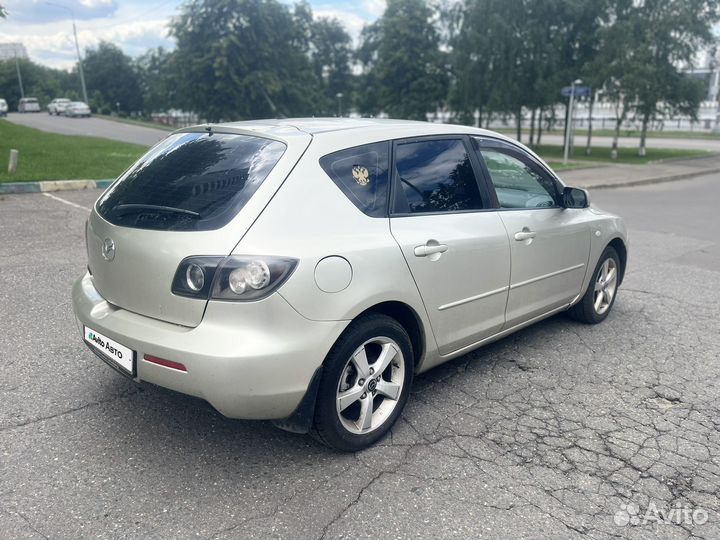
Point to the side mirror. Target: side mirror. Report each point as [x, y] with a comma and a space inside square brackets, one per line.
[575, 198]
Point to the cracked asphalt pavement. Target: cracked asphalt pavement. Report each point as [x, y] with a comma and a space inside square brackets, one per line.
[561, 430]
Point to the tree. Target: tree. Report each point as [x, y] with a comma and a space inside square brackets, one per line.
[158, 76]
[404, 70]
[509, 56]
[3, 12]
[111, 79]
[331, 51]
[39, 81]
[245, 59]
[643, 46]
[473, 60]
[674, 31]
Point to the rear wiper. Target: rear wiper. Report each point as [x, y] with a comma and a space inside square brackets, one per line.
[129, 208]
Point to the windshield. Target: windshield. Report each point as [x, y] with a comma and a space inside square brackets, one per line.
[191, 182]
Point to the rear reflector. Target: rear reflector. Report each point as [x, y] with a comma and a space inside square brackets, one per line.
[162, 362]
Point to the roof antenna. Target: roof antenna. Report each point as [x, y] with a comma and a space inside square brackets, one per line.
[208, 128]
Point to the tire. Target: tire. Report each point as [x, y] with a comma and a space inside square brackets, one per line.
[591, 309]
[376, 338]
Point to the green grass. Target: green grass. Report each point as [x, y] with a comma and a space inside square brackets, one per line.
[560, 166]
[135, 122]
[601, 155]
[623, 133]
[49, 156]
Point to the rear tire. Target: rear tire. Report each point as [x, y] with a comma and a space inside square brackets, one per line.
[365, 384]
[598, 300]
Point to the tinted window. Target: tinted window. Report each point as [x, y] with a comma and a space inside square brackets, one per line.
[191, 182]
[362, 175]
[435, 176]
[518, 182]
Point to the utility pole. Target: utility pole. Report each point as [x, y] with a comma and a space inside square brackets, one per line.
[568, 127]
[339, 96]
[77, 49]
[80, 67]
[19, 76]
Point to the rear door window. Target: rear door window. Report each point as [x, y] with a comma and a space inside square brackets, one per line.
[191, 182]
[435, 176]
[361, 173]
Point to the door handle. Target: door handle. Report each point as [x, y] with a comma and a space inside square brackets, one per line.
[430, 249]
[525, 234]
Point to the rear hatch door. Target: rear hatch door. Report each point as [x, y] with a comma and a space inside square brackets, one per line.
[195, 193]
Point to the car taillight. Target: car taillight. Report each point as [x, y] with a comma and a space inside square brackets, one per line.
[235, 278]
[194, 276]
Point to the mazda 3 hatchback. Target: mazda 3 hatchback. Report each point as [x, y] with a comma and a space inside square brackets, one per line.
[303, 271]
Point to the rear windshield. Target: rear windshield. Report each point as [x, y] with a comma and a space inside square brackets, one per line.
[191, 182]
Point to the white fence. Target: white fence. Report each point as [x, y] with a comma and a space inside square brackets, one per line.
[603, 117]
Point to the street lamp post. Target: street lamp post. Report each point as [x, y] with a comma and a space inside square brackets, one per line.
[77, 49]
[568, 128]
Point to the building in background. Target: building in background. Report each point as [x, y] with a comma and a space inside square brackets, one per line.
[707, 70]
[10, 51]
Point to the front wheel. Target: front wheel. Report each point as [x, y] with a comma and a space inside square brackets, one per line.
[599, 298]
[365, 385]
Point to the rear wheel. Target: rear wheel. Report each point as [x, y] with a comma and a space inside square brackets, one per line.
[365, 384]
[599, 298]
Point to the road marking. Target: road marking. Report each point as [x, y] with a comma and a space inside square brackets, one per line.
[67, 202]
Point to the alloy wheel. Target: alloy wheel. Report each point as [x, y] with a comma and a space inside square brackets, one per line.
[605, 286]
[370, 385]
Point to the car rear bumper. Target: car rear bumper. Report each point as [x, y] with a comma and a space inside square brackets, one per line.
[251, 360]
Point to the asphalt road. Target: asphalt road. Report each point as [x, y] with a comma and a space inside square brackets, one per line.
[94, 127]
[98, 127]
[556, 431]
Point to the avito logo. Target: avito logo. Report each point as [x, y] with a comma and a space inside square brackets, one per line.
[92, 336]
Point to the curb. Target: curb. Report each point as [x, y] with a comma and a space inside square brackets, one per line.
[653, 180]
[53, 185]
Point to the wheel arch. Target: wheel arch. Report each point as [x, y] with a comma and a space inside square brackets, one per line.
[621, 249]
[410, 321]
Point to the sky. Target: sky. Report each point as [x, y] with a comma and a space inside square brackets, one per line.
[45, 26]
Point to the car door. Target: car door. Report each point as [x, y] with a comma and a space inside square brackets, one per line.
[454, 243]
[550, 245]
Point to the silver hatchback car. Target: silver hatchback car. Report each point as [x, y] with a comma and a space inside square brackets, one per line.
[303, 271]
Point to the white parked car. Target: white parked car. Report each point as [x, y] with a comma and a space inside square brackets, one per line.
[77, 109]
[57, 106]
[304, 271]
[28, 105]
[3, 107]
